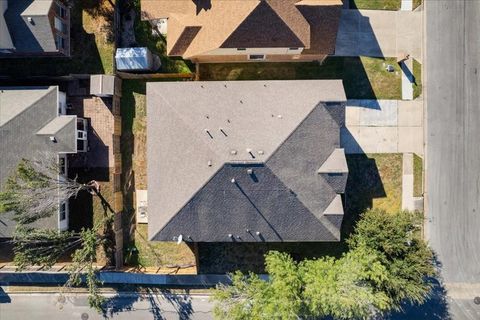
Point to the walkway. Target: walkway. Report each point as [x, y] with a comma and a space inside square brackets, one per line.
[380, 33]
[383, 126]
[407, 79]
[407, 5]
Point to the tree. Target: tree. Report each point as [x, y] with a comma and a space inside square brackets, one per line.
[406, 256]
[345, 288]
[36, 189]
[250, 297]
[386, 266]
[34, 192]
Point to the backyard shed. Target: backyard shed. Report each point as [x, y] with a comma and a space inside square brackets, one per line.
[136, 59]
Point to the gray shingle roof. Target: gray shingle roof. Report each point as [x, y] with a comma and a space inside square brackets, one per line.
[201, 135]
[30, 37]
[28, 117]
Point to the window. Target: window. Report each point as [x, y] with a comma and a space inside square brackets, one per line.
[241, 49]
[62, 165]
[60, 26]
[61, 11]
[63, 211]
[60, 42]
[256, 57]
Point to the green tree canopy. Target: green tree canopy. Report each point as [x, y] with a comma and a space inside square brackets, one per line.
[386, 266]
[396, 237]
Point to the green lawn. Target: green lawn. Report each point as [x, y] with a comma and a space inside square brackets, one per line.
[157, 254]
[416, 3]
[363, 78]
[417, 176]
[91, 47]
[417, 74]
[376, 4]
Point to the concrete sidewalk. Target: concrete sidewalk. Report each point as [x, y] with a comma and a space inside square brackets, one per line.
[383, 126]
[380, 33]
[407, 79]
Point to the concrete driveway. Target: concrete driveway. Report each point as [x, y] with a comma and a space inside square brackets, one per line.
[379, 33]
[383, 126]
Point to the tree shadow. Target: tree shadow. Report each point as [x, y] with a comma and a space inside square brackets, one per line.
[119, 303]
[363, 185]
[436, 306]
[202, 5]
[4, 298]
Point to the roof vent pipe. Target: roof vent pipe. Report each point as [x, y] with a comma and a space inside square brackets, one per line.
[209, 134]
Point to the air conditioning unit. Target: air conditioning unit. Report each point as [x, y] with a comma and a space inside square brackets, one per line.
[142, 206]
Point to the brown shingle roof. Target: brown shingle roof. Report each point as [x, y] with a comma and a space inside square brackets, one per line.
[184, 41]
[245, 23]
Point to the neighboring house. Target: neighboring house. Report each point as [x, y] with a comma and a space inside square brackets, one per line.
[245, 161]
[34, 28]
[33, 123]
[246, 30]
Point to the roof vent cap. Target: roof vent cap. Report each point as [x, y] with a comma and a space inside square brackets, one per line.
[233, 152]
[209, 163]
[53, 139]
[250, 171]
[261, 152]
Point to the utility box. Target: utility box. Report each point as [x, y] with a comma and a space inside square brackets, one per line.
[105, 86]
[142, 206]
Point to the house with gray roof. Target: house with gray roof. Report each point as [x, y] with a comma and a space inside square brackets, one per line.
[33, 123]
[245, 161]
[34, 28]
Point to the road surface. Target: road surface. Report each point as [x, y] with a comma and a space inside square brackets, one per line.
[453, 147]
[48, 306]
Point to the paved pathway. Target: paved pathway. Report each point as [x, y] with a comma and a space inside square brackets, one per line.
[383, 126]
[407, 79]
[407, 5]
[379, 33]
[408, 202]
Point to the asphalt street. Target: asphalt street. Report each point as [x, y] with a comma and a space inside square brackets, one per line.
[453, 153]
[125, 306]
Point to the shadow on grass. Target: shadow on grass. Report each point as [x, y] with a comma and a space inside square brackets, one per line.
[128, 111]
[358, 83]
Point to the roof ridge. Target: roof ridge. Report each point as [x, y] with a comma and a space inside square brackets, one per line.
[285, 16]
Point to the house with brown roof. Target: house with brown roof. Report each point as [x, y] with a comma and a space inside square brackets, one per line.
[246, 30]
